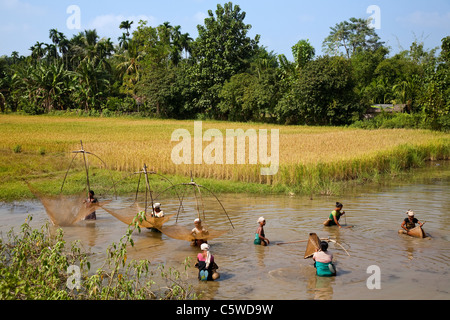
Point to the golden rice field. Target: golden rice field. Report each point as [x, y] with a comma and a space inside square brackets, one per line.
[306, 154]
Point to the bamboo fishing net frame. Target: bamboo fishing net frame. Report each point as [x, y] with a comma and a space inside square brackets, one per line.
[182, 233]
[312, 242]
[69, 210]
[86, 167]
[127, 215]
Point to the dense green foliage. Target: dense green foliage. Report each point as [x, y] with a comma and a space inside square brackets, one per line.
[35, 265]
[225, 74]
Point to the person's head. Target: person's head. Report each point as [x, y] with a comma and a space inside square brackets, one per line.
[197, 222]
[324, 246]
[262, 221]
[91, 193]
[204, 247]
[339, 206]
[410, 214]
[157, 207]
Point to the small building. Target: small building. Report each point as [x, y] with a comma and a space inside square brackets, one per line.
[388, 108]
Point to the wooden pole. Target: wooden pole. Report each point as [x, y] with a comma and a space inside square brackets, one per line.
[147, 188]
[291, 242]
[85, 166]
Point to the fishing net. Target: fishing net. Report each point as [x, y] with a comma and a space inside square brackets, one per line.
[183, 233]
[67, 210]
[128, 214]
[178, 232]
[312, 246]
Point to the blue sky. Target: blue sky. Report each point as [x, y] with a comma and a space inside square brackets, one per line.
[280, 23]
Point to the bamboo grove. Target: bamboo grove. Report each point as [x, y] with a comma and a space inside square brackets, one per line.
[224, 74]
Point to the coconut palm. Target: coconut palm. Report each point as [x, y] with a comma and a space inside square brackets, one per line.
[123, 41]
[37, 51]
[126, 25]
[185, 43]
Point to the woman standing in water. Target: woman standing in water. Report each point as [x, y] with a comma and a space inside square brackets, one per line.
[335, 215]
[323, 261]
[199, 233]
[260, 237]
[409, 222]
[91, 199]
[206, 265]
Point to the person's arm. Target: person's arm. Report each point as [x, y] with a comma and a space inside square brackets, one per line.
[403, 225]
[336, 220]
[259, 231]
[420, 223]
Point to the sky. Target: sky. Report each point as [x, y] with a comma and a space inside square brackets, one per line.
[281, 24]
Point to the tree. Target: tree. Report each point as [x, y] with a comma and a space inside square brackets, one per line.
[126, 25]
[354, 35]
[221, 50]
[128, 67]
[323, 94]
[43, 87]
[38, 51]
[303, 52]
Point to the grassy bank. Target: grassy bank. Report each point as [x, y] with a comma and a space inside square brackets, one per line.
[313, 160]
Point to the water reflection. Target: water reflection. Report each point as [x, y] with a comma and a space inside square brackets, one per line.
[279, 271]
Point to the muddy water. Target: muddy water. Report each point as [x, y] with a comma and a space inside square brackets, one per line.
[410, 268]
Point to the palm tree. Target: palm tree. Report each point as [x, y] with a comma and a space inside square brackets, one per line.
[128, 66]
[15, 56]
[164, 32]
[52, 52]
[64, 47]
[37, 51]
[55, 36]
[123, 41]
[126, 25]
[93, 83]
[185, 42]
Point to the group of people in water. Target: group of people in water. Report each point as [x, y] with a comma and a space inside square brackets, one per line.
[323, 259]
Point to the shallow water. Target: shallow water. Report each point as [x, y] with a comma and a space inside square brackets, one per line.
[410, 268]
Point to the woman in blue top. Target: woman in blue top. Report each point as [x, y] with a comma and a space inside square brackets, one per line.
[260, 237]
[323, 261]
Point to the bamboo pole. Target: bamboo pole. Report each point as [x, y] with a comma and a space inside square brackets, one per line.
[322, 239]
[85, 166]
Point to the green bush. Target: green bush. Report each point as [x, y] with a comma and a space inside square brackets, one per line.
[34, 265]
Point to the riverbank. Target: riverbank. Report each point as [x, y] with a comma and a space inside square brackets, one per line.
[312, 160]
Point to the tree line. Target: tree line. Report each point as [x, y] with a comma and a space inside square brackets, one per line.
[225, 74]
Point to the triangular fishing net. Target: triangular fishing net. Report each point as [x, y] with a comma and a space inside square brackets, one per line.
[128, 214]
[312, 246]
[67, 210]
[183, 233]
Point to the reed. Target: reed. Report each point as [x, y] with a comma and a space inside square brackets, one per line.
[312, 159]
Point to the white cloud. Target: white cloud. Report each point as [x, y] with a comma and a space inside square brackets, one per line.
[427, 19]
[18, 7]
[200, 17]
